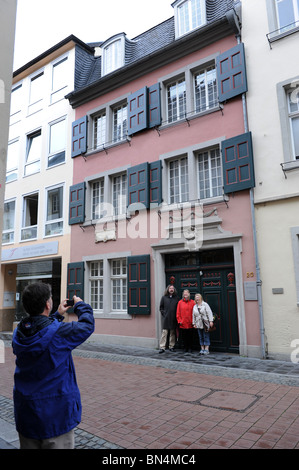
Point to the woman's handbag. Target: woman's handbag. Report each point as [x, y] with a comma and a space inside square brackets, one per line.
[213, 328]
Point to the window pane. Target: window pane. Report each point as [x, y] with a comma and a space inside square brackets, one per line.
[55, 198]
[190, 15]
[33, 153]
[119, 123]
[57, 136]
[99, 131]
[59, 78]
[119, 194]
[295, 130]
[112, 56]
[8, 222]
[12, 161]
[210, 174]
[97, 199]
[36, 89]
[15, 101]
[30, 212]
[178, 181]
[287, 12]
[119, 281]
[96, 285]
[57, 143]
[176, 99]
[205, 89]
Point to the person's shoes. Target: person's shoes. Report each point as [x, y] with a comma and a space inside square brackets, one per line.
[206, 352]
[201, 352]
[161, 351]
[171, 349]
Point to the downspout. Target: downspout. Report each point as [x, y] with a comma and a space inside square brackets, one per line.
[257, 263]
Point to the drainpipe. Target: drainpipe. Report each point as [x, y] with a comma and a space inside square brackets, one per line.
[257, 263]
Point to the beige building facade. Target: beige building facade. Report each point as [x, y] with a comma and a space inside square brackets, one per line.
[271, 35]
[36, 234]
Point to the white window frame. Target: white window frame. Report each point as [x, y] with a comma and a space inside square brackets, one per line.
[179, 196]
[97, 199]
[176, 85]
[61, 150]
[58, 93]
[99, 137]
[96, 282]
[29, 229]
[118, 283]
[180, 29]
[113, 56]
[290, 26]
[16, 103]
[35, 163]
[206, 73]
[293, 100]
[119, 122]
[13, 169]
[206, 188]
[58, 222]
[107, 276]
[11, 230]
[119, 206]
[36, 102]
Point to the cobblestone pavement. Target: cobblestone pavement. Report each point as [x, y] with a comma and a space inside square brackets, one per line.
[136, 398]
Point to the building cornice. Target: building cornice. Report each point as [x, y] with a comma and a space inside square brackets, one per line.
[179, 48]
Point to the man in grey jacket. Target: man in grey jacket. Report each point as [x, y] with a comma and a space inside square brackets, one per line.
[168, 307]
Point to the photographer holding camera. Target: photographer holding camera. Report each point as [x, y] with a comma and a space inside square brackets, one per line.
[47, 401]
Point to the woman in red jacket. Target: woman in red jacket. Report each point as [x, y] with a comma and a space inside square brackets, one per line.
[184, 318]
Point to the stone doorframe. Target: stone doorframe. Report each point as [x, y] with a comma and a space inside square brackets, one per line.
[214, 237]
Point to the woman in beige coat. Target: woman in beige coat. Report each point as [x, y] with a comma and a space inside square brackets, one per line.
[202, 319]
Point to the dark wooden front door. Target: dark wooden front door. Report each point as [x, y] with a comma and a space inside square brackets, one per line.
[211, 274]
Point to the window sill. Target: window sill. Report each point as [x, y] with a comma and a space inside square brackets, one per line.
[276, 35]
[112, 316]
[190, 116]
[289, 166]
[106, 147]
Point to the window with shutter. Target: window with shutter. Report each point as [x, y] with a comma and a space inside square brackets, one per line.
[79, 137]
[231, 73]
[139, 285]
[137, 111]
[77, 204]
[144, 109]
[155, 182]
[154, 106]
[237, 161]
[75, 280]
[138, 189]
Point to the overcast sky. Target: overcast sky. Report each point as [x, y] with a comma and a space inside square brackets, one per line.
[41, 24]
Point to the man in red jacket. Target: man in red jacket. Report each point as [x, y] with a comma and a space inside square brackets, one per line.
[184, 318]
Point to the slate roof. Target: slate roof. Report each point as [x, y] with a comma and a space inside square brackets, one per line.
[88, 67]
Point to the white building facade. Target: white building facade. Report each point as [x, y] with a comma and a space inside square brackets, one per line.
[271, 34]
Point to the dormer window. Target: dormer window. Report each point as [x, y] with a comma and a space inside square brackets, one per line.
[113, 54]
[189, 15]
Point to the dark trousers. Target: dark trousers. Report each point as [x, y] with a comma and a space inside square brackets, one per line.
[187, 337]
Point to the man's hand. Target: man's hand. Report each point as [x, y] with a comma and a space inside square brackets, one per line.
[63, 307]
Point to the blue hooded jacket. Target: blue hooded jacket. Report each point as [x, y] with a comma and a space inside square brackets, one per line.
[47, 399]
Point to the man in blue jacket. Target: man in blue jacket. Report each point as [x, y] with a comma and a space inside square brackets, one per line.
[47, 401]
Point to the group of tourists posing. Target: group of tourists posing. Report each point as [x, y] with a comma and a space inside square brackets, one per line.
[186, 314]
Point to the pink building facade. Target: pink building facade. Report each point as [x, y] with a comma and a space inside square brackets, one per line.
[163, 174]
